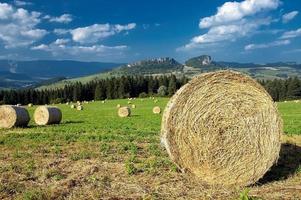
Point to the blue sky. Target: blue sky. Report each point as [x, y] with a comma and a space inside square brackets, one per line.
[124, 31]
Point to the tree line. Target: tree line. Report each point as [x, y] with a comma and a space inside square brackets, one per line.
[283, 89]
[110, 88]
[132, 86]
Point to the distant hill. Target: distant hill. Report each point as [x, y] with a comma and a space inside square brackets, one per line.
[192, 67]
[18, 74]
[53, 73]
[152, 66]
[157, 66]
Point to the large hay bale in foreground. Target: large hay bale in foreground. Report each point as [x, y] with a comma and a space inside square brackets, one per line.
[124, 112]
[156, 110]
[223, 127]
[13, 116]
[45, 115]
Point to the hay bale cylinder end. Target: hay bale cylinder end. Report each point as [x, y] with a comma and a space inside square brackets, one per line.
[156, 110]
[45, 115]
[124, 112]
[223, 127]
[79, 108]
[13, 116]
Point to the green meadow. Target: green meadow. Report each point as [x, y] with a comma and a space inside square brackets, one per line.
[94, 154]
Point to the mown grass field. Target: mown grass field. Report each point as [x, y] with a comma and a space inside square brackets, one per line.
[94, 154]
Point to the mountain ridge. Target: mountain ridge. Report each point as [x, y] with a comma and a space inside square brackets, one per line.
[192, 67]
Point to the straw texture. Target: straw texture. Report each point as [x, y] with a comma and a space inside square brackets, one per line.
[223, 127]
[13, 116]
[124, 112]
[45, 115]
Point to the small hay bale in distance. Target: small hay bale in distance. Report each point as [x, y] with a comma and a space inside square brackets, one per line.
[45, 115]
[224, 128]
[103, 101]
[13, 116]
[133, 106]
[124, 111]
[118, 106]
[29, 105]
[72, 106]
[79, 108]
[156, 110]
[129, 102]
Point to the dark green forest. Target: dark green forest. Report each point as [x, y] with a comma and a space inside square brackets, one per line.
[111, 88]
[132, 86]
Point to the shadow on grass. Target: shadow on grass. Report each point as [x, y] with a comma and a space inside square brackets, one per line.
[73, 122]
[287, 165]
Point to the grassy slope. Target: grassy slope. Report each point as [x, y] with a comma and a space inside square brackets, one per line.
[84, 79]
[93, 153]
[260, 74]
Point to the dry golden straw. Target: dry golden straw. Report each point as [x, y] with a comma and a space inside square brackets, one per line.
[124, 112]
[156, 110]
[45, 115]
[13, 116]
[223, 127]
[79, 108]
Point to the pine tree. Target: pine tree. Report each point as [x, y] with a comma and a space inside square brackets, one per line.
[172, 86]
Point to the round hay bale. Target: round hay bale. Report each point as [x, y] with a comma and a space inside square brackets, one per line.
[156, 101]
[79, 108]
[72, 106]
[124, 112]
[29, 105]
[45, 115]
[133, 106]
[103, 102]
[67, 103]
[223, 127]
[129, 102]
[13, 116]
[19, 105]
[156, 110]
[118, 106]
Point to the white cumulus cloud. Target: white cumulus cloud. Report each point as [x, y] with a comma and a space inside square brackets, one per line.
[18, 27]
[233, 20]
[291, 34]
[60, 49]
[22, 3]
[234, 11]
[96, 32]
[289, 16]
[267, 45]
[64, 18]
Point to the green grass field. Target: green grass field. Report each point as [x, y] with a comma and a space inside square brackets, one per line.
[94, 154]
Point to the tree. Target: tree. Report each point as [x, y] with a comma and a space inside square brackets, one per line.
[172, 86]
[162, 91]
[98, 92]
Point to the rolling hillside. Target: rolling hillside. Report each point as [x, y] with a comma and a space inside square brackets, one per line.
[21, 74]
[191, 68]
